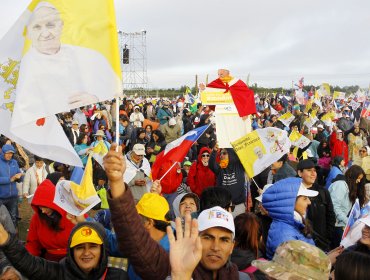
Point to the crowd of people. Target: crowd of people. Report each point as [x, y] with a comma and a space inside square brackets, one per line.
[204, 219]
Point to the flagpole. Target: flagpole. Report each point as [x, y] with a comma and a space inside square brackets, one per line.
[168, 170]
[256, 185]
[117, 121]
[176, 161]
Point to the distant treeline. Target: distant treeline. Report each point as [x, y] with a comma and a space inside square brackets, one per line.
[173, 92]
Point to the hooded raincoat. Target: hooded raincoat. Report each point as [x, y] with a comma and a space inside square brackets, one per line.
[279, 200]
[42, 240]
[200, 176]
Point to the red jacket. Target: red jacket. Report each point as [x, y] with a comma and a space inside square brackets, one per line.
[172, 180]
[40, 236]
[200, 176]
[338, 147]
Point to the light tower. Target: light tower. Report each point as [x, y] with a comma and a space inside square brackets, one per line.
[134, 61]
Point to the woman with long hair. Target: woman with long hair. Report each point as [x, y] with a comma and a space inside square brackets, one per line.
[82, 148]
[344, 191]
[84, 128]
[139, 137]
[248, 240]
[49, 227]
[148, 132]
[156, 145]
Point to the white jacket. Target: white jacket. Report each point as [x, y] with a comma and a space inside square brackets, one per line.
[30, 179]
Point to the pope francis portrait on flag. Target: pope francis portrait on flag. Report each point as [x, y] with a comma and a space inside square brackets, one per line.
[55, 77]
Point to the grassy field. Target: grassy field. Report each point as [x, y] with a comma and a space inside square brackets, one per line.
[25, 212]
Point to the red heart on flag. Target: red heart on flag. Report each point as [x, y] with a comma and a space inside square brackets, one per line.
[40, 122]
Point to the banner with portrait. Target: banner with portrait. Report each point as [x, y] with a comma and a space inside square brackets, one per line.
[260, 148]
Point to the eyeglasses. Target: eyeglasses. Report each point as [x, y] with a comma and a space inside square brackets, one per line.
[205, 155]
[362, 151]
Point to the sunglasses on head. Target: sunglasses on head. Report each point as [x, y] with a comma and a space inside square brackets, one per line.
[205, 155]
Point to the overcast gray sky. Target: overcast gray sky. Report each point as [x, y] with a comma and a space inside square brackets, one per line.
[275, 41]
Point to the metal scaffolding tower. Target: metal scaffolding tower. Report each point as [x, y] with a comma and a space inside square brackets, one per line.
[134, 61]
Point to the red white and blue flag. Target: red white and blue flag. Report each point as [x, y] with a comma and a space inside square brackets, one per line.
[176, 151]
[353, 230]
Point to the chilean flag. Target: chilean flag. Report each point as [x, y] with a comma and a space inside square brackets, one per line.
[176, 151]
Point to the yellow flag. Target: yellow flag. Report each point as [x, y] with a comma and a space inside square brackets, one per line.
[326, 87]
[328, 116]
[303, 156]
[316, 96]
[79, 59]
[313, 113]
[82, 17]
[308, 106]
[84, 192]
[100, 149]
[339, 95]
[294, 136]
[286, 118]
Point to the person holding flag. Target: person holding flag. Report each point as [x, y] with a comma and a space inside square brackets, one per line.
[344, 191]
[166, 168]
[137, 172]
[230, 175]
[49, 228]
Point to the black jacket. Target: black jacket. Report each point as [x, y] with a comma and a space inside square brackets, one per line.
[38, 268]
[231, 178]
[322, 217]
[187, 123]
[243, 258]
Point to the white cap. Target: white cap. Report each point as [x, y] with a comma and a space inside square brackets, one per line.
[366, 220]
[139, 149]
[303, 191]
[259, 198]
[216, 217]
[320, 126]
[172, 121]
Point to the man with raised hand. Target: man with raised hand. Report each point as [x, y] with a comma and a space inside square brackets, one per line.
[216, 230]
